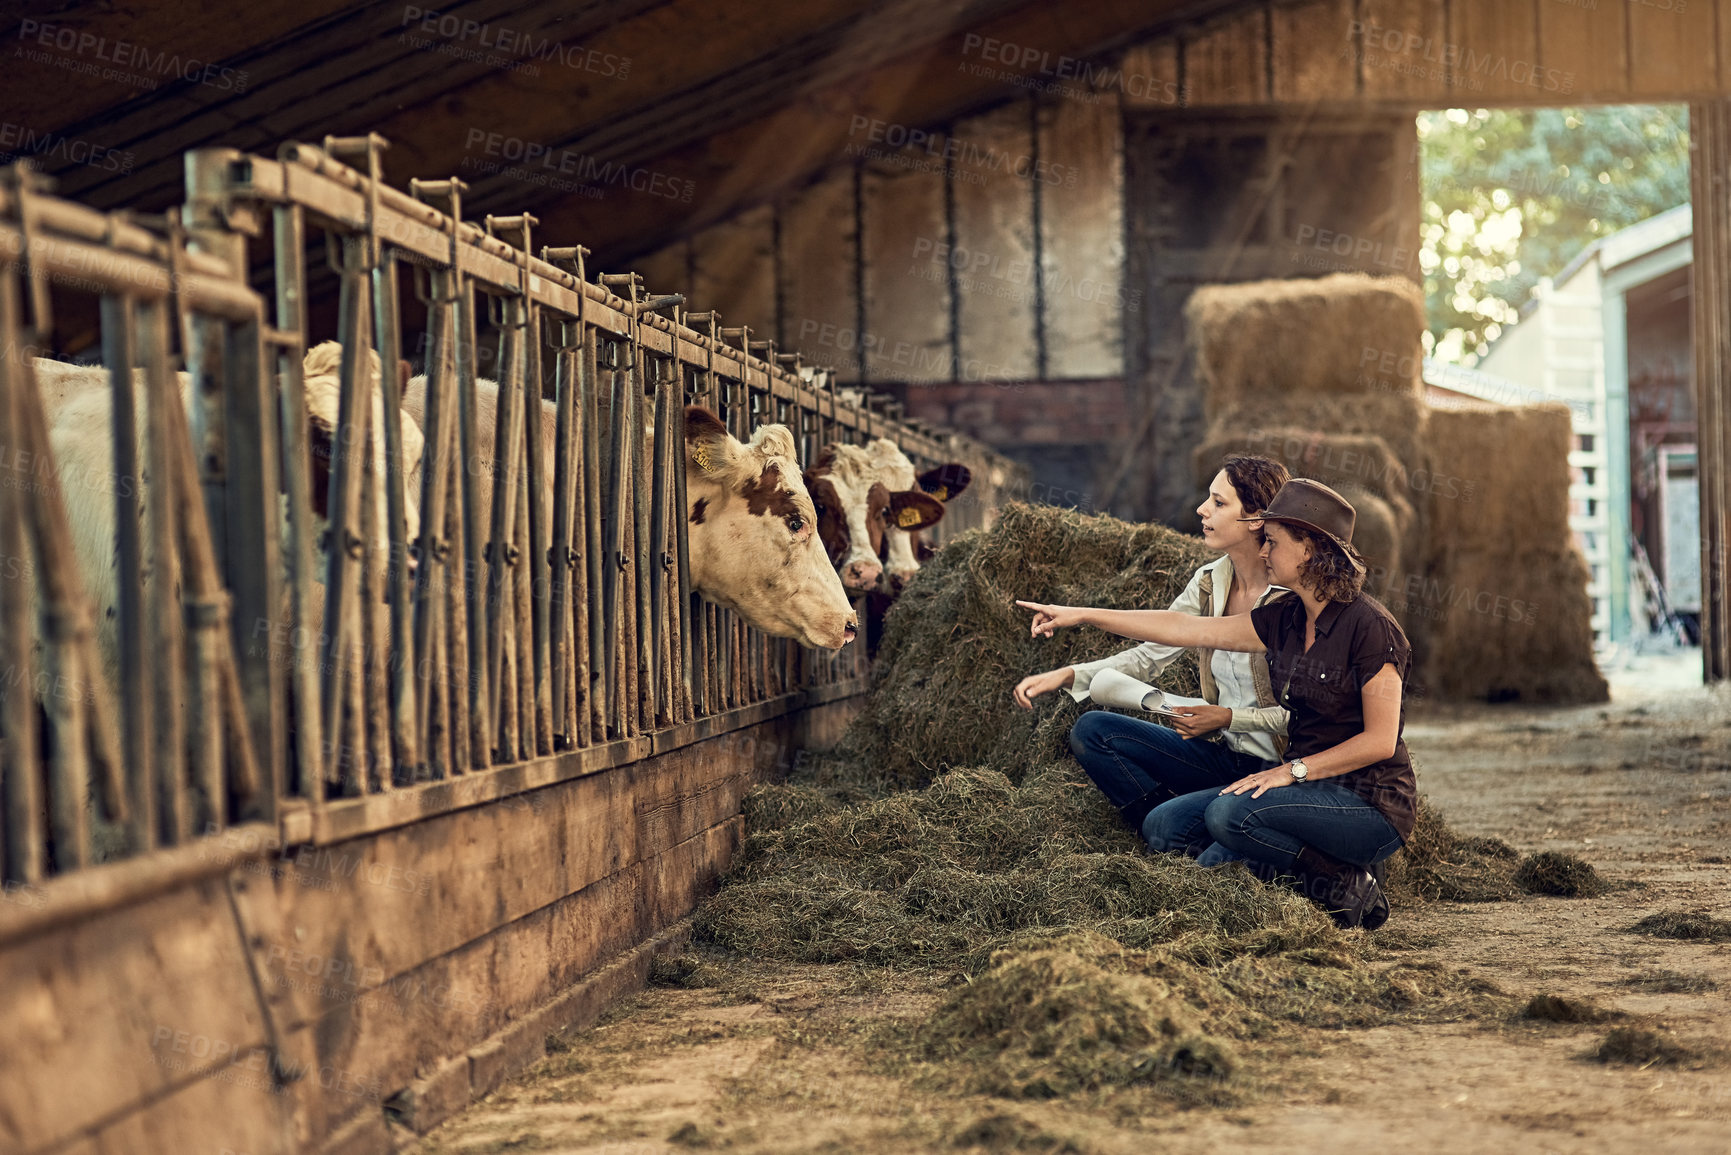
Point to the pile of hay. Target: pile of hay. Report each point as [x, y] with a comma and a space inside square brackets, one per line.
[956, 642]
[1437, 864]
[1686, 925]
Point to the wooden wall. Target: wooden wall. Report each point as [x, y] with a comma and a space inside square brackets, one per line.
[396, 976]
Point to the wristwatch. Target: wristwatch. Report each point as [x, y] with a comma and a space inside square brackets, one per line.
[1298, 768]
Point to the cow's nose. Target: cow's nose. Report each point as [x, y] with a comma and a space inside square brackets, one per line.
[861, 575]
[849, 631]
[900, 578]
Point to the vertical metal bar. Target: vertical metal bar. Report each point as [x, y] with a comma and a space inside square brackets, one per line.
[290, 257]
[538, 574]
[373, 735]
[620, 703]
[436, 466]
[161, 392]
[26, 846]
[643, 564]
[507, 440]
[689, 620]
[254, 561]
[661, 627]
[405, 740]
[68, 679]
[348, 464]
[559, 562]
[119, 352]
[596, 563]
[471, 649]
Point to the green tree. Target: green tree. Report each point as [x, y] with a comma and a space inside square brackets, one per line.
[1512, 195]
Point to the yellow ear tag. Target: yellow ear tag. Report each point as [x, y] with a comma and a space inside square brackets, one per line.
[942, 493]
[908, 518]
[703, 455]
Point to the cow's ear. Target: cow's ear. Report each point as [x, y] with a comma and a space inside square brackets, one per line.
[708, 445]
[946, 481]
[910, 509]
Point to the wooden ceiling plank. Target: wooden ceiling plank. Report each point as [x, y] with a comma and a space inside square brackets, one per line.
[1672, 49]
[1589, 46]
[1496, 49]
[1402, 46]
[344, 80]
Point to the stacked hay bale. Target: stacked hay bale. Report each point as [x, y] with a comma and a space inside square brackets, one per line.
[1321, 374]
[1462, 514]
[1503, 586]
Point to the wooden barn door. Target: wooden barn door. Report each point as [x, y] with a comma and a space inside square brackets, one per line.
[1215, 198]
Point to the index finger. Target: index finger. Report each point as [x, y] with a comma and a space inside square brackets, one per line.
[1036, 606]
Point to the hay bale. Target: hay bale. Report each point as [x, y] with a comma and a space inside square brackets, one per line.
[1499, 594]
[1563, 875]
[1308, 335]
[1497, 477]
[1363, 461]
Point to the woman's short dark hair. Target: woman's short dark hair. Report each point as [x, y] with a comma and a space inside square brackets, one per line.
[1255, 479]
[1329, 573]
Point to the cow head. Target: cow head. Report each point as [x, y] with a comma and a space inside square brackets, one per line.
[910, 510]
[851, 507]
[753, 536]
[322, 369]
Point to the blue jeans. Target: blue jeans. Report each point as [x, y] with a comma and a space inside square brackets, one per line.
[1140, 764]
[1267, 833]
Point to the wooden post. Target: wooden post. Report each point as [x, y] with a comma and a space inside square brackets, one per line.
[1710, 176]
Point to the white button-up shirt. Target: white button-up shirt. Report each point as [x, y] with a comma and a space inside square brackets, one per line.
[1253, 726]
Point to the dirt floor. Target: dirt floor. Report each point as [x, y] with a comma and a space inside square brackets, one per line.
[784, 1061]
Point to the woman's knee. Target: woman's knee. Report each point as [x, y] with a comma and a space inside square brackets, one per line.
[1087, 732]
[1226, 817]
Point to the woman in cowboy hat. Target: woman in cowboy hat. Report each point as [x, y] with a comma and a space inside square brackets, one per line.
[1345, 798]
[1138, 763]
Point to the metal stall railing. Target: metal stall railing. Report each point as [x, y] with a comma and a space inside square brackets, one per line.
[510, 610]
[542, 619]
[138, 494]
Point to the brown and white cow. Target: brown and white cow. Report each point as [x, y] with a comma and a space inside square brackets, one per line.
[752, 526]
[871, 507]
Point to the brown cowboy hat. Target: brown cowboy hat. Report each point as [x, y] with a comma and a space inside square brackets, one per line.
[1316, 507]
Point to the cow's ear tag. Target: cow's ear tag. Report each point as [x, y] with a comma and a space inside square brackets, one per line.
[704, 456]
[908, 517]
[941, 493]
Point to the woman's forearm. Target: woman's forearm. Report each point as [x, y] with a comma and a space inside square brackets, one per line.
[1175, 629]
[1355, 753]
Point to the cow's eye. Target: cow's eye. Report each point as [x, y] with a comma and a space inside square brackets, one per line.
[795, 522]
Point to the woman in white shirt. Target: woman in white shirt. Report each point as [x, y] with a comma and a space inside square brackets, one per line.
[1139, 763]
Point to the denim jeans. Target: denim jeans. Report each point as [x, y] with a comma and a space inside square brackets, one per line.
[1268, 832]
[1140, 764]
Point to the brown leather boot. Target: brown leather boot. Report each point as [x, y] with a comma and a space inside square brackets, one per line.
[1349, 894]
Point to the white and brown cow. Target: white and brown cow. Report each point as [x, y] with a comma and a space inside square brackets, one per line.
[871, 508]
[752, 536]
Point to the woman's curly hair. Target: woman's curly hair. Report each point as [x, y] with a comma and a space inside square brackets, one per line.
[1330, 573]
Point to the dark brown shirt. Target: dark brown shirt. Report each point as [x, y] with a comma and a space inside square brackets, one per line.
[1321, 691]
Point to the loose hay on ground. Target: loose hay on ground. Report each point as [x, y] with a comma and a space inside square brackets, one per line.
[1682, 924]
[951, 833]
